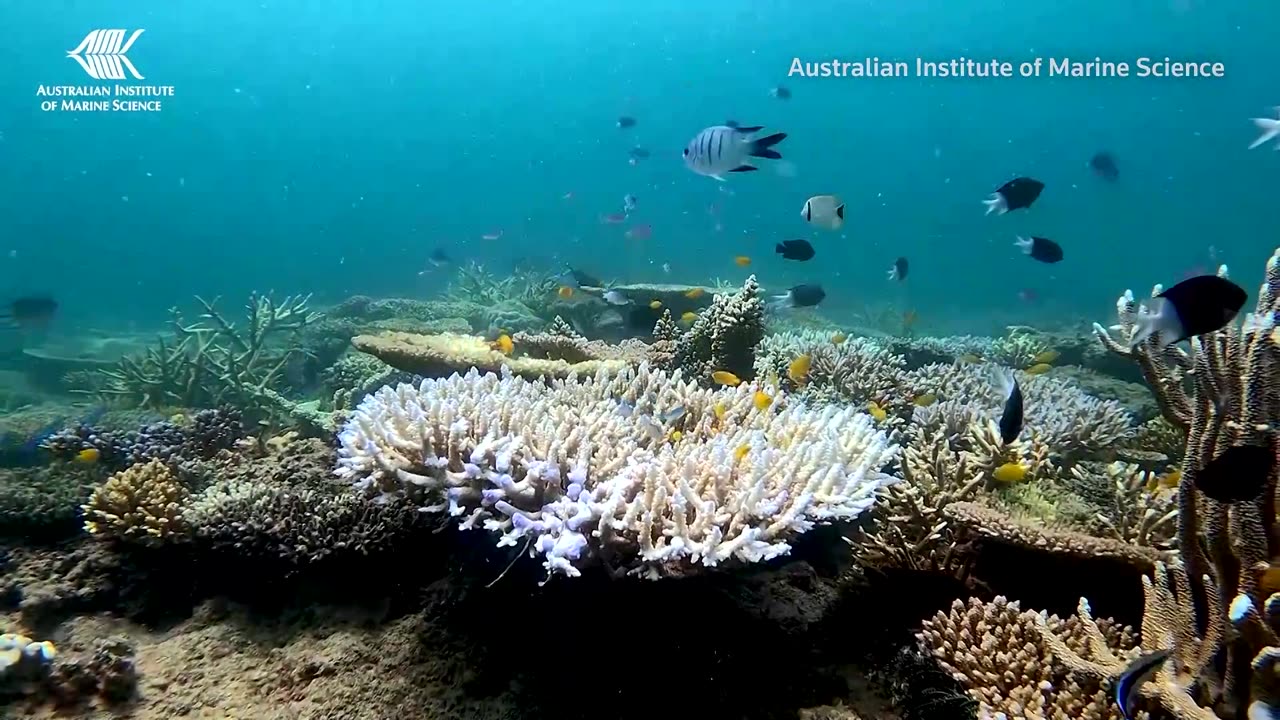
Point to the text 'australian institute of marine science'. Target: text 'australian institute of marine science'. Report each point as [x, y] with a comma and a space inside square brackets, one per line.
[114, 98]
[962, 67]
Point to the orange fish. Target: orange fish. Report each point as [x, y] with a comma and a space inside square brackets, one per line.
[909, 319]
[695, 293]
[565, 292]
[742, 260]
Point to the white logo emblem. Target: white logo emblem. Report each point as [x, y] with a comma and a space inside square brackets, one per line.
[102, 54]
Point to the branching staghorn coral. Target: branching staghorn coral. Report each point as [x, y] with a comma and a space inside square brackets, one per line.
[1138, 511]
[1070, 422]
[1018, 349]
[583, 469]
[1169, 624]
[856, 371]
[143, 503]
[1227, 549]
[215, 361]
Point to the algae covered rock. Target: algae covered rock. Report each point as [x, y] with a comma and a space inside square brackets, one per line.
[443, 354]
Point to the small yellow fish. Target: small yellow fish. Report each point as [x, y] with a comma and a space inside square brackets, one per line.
[655, 304]
[876, 411]
[838, 338]
[969, 359]
[798, 370]
[695, 293]
[909, 319]
[762, 400]
[1009, 473]
[741, 452]
[88, 455]
[1047, 356]
[742, 260]
[504, 344]
[689, 316]
[724, 377]
[676, 435]
[565, 292]
[926, 399]
[1170, 479]
[718, 409]
[1039, 369]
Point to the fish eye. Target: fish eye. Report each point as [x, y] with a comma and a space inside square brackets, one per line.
[686, 152]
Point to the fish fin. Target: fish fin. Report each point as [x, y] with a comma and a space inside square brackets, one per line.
[744, 168]
[1270, 130]
[1160, 321]
[840, 211]
[751, 129]
[1002, 378]
[779, 248]
[1025, 244]
[996, 204]
[717, 177]
[760, 147]
[732, 124]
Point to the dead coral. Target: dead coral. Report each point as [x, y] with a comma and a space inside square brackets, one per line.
[143, 503]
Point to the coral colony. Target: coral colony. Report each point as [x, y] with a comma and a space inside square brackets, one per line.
[698, 433]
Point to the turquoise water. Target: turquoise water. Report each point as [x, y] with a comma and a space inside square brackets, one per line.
[329, 147]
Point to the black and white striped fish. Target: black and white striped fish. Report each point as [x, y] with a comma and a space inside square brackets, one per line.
[726, 148]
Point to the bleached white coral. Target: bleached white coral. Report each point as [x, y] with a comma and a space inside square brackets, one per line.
[587, 468]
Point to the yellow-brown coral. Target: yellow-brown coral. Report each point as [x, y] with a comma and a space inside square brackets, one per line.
[446, 353]
[142, 503]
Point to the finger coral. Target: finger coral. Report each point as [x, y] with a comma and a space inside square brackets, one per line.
[724, 336]
[857, 371]
[998, 652]
[641, 470]
[142, 503]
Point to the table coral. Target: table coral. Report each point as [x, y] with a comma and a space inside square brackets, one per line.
[642, 470]
[446, 353]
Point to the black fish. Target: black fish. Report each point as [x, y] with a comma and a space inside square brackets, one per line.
[626, 121]
[781, 93]
[439, 258]
[1042, 249]
[1017, 194]
[30, 311]
[802, 296]
[1239, 474]
[899, 270]
[1011, 416]
[1104, 166]
[1134, 675]
[1195, 306]
[794, 250]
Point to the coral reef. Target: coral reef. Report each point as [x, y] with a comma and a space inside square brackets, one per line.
[144, 504]
[200, 436]
[590, 468]
[215, 361]
[722, 337]
[446, 353]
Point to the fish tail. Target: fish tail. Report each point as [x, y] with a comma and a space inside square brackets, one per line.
[761, 147]
[1270, 130]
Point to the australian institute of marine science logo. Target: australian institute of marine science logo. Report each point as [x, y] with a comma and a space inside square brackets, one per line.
[103, 55]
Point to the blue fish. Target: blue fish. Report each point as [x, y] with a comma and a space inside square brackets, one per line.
[1135, 674]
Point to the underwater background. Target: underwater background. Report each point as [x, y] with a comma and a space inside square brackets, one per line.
[329, 147]
[401, 367]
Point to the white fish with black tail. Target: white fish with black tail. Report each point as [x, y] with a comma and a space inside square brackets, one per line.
[824, 211]
[1195, 306]
[722, 149]
[1011, 413]
[1270, 128]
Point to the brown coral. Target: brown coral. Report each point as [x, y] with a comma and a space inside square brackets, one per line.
[998, 653]
[142, 503]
